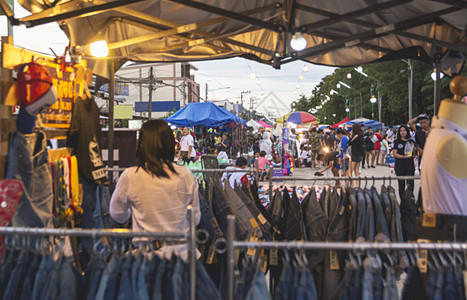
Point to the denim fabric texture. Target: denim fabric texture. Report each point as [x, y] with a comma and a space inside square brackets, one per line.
[449, 285]
[108, 286]
[381, 224]
[390, 287]
[241, 212]
[125, 289]
[28, 284]
[361, 227]
[370, 217]
[157, 290]
[408, 214]
[93, 276]
[306, 287]
[205, 288]
[284, 285]
[258, 288]
[42, 276]
[135, 269]
[29, 163]
[293, 227]
[353, 212]
[15, 282]
[414, 288]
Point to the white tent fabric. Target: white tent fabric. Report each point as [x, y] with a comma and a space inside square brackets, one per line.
[254, 124]
[360, 120]
[338, 33]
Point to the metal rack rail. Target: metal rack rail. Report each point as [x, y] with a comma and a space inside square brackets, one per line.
[189, 237]
[232, 245]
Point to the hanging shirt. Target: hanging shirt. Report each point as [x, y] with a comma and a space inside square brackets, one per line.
[442, 193]
[85, 137]
[186, 142]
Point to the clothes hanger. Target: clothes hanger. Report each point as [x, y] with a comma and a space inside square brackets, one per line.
[366, 182]
[373, 180]
[384, 180]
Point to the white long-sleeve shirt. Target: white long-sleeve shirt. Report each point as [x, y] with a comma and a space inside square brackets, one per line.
[156, 204]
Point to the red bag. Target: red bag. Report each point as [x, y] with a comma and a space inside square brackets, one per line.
[10, 194]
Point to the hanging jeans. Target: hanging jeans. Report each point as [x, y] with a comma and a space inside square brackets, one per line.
[28, 162]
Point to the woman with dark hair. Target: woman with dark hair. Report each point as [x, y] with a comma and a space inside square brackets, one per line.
[157, 192]
[402, 151]
[357, 152]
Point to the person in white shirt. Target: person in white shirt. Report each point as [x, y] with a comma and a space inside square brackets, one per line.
[157, 193]
[390, 134]
[236, 178]
[187, 147]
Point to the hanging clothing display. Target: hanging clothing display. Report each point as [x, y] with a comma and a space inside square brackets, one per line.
[28, 162]
[85, 136]
[25, 274]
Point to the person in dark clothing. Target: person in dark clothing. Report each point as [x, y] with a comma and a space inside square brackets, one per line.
[421, 133]
[403, 151]
[370, 148]
[357, 151]
[331, 160]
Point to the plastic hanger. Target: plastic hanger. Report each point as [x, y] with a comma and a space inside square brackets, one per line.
[373, 180]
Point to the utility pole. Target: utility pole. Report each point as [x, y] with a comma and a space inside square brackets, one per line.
[379, 101]
[184, 67]
[241, 97]
[206, 98]
[410, 88]
[151, 83]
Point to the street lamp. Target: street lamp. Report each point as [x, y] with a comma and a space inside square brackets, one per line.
[347, 110]
[373, 101]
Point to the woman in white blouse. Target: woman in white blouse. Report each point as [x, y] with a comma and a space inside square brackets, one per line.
[157, 192]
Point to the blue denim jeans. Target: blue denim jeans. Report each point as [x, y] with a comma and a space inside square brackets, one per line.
[157, 290]
[284, 285]
[221, 209]
[205, 288]
[125, 289]
[70, 281]
[370, 217]
[32, 168]
[17, 276]
[135, 270]
[258, 288]
[108, 287]
[306, 287]
[42, 276]
[361, 222]
[390, 288]
[414, 287]
[93, 276]
[28, 285]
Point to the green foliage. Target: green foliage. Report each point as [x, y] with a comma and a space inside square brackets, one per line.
[390, 83]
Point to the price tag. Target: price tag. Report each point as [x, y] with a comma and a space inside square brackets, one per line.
[422, 260]
[273, 257]
[334, 260]
[253, 223]
[262, 219]
[252, 251]
[211, 255]
[429, 220]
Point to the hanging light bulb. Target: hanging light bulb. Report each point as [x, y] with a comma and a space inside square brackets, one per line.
[295, 92]
[298, 42]
[252, 75]
[338, 85]
[305, 69]
[99, 49]
[258, 82]
[262, 93]
[192, 72]
[301, 77]
[349, 76]
[433, 75]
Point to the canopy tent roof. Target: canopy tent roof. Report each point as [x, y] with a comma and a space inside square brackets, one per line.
[254, 124]
[202, 114]
[264, 124]
[368, 123]
[346, 119]
[338, 33]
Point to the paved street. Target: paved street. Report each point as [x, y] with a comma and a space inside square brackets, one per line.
[308, 174]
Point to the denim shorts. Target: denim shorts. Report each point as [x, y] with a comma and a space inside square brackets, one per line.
[345, 164]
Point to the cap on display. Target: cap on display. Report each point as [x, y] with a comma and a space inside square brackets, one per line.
[35, 89]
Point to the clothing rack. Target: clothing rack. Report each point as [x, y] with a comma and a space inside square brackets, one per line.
[190, 238]
[359, 179]
[232, 245]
